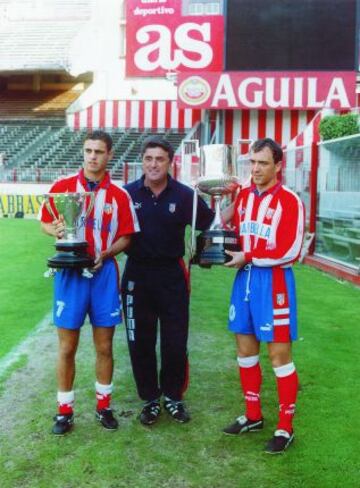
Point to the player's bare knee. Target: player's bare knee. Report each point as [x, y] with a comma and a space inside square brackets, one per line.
[104, 350]
[67, 351]
[247, 345]
[279, 354]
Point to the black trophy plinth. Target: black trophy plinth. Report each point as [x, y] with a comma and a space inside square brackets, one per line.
[71, 255]
[211, 246]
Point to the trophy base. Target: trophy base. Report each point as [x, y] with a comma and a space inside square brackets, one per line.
[71, 255]
[211, 246]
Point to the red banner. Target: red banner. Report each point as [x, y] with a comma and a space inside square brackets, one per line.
[159, 39]
[268, 90]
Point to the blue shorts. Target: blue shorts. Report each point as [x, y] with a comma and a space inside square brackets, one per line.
[76, 296]
[263, 303]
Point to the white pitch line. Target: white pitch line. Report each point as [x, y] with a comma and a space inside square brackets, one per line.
[24, 347]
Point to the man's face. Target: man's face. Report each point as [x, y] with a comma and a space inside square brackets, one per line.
[156, 165]
[263, 169]
[96, 157]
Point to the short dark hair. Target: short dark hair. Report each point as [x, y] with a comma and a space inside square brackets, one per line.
[274, 147]
[157, 141]
[100, 135]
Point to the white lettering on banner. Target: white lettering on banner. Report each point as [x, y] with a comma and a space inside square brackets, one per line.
[153, 1]
[153, 11]
[187, 43]
[298, 92]
[337, 92]
[312, 86]
[283, 99]
[256, 90]
[166, 59]
[225, 91]
[243, 93]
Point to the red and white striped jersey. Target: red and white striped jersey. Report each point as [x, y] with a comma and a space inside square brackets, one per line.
[112, 216]
[270, 225]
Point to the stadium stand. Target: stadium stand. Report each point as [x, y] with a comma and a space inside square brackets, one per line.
[45, 149]
[39, 45]
[24, 104]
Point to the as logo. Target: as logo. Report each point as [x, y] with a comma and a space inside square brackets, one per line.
[157, 44]
[172, 207]
[159, 54]
[280, 299]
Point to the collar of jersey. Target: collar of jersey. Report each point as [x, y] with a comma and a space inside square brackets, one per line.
[141, 182]
[270, 191]
[104, 183]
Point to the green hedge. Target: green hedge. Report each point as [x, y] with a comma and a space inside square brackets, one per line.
[334, 126]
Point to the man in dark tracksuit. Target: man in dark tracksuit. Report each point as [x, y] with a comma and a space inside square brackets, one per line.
[154, 285]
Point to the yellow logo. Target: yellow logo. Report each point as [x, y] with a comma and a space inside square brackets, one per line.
[194, 90]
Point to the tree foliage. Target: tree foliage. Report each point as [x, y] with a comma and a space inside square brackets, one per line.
[334, 126]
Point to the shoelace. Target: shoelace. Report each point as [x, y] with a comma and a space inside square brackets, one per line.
[173, 407]
[62, 418]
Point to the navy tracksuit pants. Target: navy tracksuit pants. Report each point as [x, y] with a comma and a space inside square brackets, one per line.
[156, 294]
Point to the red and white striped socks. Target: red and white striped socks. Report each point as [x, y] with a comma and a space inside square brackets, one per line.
[287, 385]
[103, 395]
[65, 400]
[250, 378]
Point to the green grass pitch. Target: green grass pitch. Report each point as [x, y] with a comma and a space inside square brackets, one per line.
[325, 453]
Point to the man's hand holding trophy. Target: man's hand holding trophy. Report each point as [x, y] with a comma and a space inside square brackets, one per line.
[218, 176]
[70, 211]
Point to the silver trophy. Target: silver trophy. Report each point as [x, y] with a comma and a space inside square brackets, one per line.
[71, 250]
[217, 178]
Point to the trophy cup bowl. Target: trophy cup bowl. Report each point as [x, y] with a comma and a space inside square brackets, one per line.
[71, 251]
[217, 178]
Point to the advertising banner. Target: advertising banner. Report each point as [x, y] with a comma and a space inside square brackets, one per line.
[27, 204]
[160, 39]
[262, 90]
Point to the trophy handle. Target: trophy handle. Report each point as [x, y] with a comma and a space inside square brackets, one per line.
[91, 196]
[48, 206]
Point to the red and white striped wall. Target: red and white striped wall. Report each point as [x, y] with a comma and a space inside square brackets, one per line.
[134, 114]
[310, 133]
[281, 125]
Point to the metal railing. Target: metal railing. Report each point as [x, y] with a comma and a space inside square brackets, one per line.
[334, 201]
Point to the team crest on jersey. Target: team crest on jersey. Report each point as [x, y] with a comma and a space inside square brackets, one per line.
[108, 208]
[131, 285]
[172, 207]
[280, 299]
[270, 212]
